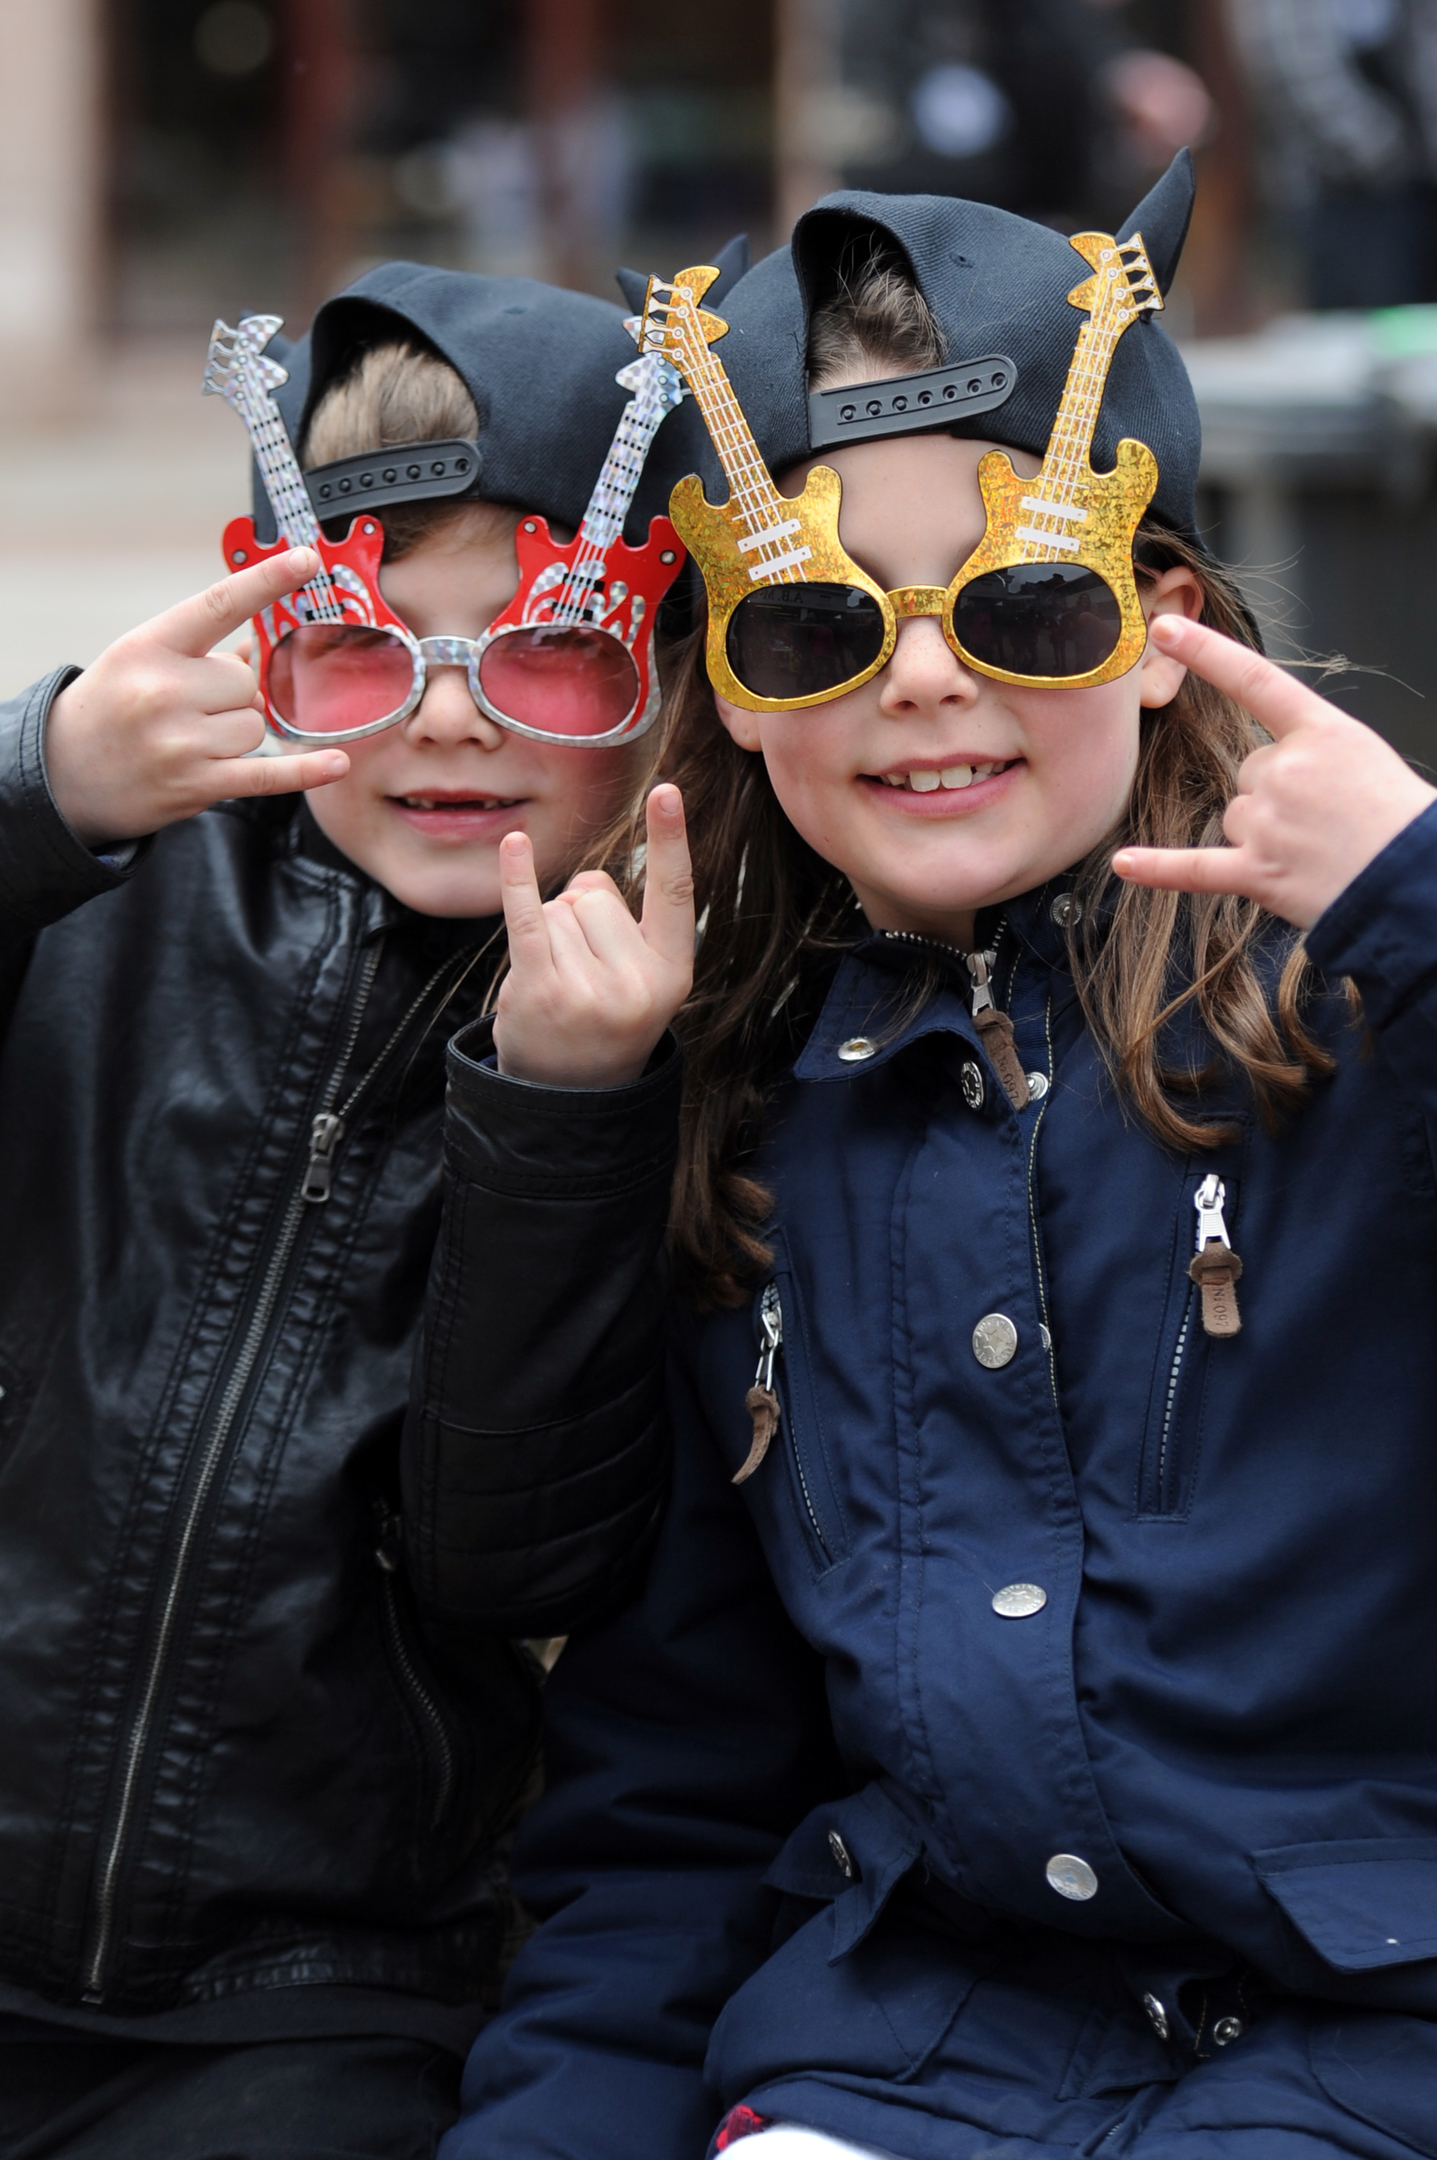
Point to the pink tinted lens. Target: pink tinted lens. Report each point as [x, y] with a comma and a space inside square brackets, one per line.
[325, 677]
[566, 683]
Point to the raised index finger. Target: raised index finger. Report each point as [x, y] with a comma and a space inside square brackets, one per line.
[668, 917]
[197, 624]
[1275, 699]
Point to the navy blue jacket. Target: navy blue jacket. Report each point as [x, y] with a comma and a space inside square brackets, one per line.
[1222, 1723]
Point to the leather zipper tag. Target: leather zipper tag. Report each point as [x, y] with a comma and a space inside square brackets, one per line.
[996, 1030]
[762, 1406]
[1215, 1270]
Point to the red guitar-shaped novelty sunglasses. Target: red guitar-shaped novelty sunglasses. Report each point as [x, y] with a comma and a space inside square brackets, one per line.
[569, 660]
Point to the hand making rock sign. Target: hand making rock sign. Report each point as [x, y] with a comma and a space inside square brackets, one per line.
[1314, 805]
[590, 991]
[162, 725]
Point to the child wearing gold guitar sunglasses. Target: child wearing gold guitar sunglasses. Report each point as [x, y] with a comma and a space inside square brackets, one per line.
[1023, 1742]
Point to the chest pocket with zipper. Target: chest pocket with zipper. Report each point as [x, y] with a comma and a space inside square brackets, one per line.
[1184, 1359]
[784, 1350]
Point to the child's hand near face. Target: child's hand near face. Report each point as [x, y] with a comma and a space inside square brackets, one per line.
[1314, 806]
[590, 991]
[159, 727]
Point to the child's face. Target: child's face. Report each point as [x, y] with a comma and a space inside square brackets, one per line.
[425, 805]
[1051, 768]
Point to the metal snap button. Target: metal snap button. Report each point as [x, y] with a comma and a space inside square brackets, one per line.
[971, 1080]
[1037, 1086]
[1071, 1877]
[1065, 909]
[856, 1049]
[1019, 1600]
[995, 1340]
[1227, 2030]
[1157, 2016]
[1044, 1337]
[841, 1854]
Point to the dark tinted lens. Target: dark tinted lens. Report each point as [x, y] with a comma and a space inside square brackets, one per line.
[325, 677]
[566, 683]
[1038, 619]
[791, 641]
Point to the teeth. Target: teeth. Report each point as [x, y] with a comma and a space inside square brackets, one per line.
[476, 802]
[952, 776]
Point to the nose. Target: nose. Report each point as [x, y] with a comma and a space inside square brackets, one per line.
[925, 674]
[447, 713]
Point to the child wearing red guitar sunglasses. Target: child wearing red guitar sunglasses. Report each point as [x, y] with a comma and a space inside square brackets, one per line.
[298, 1245]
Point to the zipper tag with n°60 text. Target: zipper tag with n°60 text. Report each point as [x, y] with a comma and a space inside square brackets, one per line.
[1215, 1267]
[760, 1402]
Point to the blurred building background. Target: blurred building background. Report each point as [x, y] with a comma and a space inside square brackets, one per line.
[166, 161]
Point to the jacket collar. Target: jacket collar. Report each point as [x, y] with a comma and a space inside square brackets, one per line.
[865, 1022]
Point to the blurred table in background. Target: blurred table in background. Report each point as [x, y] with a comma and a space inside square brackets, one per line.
[1319, 453]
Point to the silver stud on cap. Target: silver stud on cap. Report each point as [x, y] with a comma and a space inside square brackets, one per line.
[995, 1340]
[856, 1049]
[1071, 1877]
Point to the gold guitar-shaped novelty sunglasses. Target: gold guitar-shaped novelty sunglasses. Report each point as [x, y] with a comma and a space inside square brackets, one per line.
[1047, 597]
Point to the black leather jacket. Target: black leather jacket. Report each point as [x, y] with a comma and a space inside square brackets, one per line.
[265, 1553]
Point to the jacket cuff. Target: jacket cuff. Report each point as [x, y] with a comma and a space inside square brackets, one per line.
[1382, 928]
[46, 870]
[517, 1137]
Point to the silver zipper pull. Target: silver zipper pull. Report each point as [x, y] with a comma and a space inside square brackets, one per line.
[325, 1135]
[980, 967]
[1215, 1267]
[761, 1402]
[1208, 1200]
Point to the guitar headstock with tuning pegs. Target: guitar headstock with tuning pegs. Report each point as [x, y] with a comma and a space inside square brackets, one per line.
[1123, 285]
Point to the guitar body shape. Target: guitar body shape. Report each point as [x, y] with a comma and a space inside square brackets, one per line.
[622, 600]
[1112, 505]
[350, 592]
[721, 538]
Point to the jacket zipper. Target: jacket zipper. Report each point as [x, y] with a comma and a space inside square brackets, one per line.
[1045, 1324]
[1175, 1373]
[326, 1130]
[387, 1554]
[770, 1317]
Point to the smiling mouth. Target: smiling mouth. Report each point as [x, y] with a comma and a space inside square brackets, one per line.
[458, 802]
[926, 780]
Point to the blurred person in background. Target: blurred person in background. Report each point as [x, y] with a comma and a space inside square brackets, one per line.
[1053, 109]
[1345, 99]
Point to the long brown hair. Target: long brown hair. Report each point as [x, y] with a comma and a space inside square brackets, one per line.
[775, 916]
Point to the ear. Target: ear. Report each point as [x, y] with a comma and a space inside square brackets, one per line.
[742, 725]
[1176, 592]
[1163, 217]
